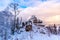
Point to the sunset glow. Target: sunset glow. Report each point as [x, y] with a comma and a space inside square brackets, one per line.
[47, 10]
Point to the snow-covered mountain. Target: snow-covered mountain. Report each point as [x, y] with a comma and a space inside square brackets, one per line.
[37, 32]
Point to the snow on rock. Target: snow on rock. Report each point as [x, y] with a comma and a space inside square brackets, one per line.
[34, 35]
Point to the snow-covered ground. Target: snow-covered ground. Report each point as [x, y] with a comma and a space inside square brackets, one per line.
[34, 35]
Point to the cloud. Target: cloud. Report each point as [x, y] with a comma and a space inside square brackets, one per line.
[45, 11]
[53, 19]
[3, 4]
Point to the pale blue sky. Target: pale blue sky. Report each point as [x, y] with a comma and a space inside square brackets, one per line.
[23, 3]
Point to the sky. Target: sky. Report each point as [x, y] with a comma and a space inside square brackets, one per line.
[47, 10]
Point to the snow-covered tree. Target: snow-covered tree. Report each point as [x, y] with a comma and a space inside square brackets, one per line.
[14, 6]
[54, 30]
[58, 30]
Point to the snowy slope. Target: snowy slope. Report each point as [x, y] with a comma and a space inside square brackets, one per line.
[34, 35]
[5, 30]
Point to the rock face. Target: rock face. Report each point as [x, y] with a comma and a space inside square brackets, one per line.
[28, 26]
[36, 21]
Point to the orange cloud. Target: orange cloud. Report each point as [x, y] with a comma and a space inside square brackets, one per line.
[53, 19]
